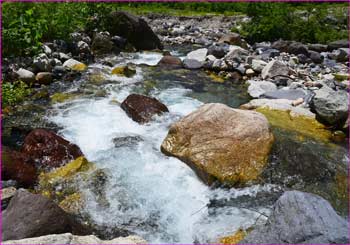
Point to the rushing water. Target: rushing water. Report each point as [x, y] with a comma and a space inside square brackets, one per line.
[155, 196]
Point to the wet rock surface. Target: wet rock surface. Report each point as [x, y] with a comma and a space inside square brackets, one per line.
[142, 108]
[48, 149]
[300, 217]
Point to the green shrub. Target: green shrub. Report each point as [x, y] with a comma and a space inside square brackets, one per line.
[304, 23]
[13, 93]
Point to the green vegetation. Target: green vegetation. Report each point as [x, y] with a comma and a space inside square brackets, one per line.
[26, 25]
[306, 22]
[13, 93]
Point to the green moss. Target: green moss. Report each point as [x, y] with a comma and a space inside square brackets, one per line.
[63, 176]
[123, 71]
[306, 126]
[62, 97]
[79, 67]
[73, 203]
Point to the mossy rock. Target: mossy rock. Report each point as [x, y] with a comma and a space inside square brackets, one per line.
[73, 203]
[97, 79]
[79, 67]
[306, 126]
[235, 238]
[123, 71]
[62, 97]
[59, 183]
[341, 76]
[216, 78]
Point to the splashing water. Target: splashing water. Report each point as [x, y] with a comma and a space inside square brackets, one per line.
[155, 196]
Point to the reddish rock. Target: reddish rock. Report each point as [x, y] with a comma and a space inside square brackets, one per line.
[170, 61]
[48, 149]
[142, 108]
[18, 166]
[44, 77]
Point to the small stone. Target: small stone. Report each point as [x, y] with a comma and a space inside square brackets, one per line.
[44, 77]
[26, 76]
[74, 65]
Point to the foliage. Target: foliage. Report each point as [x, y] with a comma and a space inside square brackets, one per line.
[27, 24]
[305, 23]
[13, 93]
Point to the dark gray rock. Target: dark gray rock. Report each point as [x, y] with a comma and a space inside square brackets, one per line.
[134, 29]
[338, 44]
[316, 57]
[300, 217]
[331, 107]
[102, 44]
[317, 47]
[218, 50]
[274, 68]
[340, 55]
[289, 94]
[31, 215]
[127, 141]
[297, 48]
[269, 53]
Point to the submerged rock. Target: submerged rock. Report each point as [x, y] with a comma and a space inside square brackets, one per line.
[68, 238]
[141, 108]
[123, 71]
[30, 215]
[48, 149]
[300, 217]
[280, 113]
[134, 29]
[221, 143]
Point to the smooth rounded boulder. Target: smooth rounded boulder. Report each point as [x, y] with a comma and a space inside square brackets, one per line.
[31, 215]
[221, 143]
[134, 29]
[141, 108]
[48, 149]
[301, 218]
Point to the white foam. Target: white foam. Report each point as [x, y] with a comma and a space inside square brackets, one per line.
[158, 197]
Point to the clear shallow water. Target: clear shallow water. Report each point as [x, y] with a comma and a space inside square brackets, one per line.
[155, 196]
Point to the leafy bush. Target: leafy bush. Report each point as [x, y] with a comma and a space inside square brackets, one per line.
[13, 93]
[305, 23]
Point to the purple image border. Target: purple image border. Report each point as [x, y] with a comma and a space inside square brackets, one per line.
[159, 1]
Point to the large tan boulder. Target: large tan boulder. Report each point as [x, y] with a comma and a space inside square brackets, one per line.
[221, 143]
